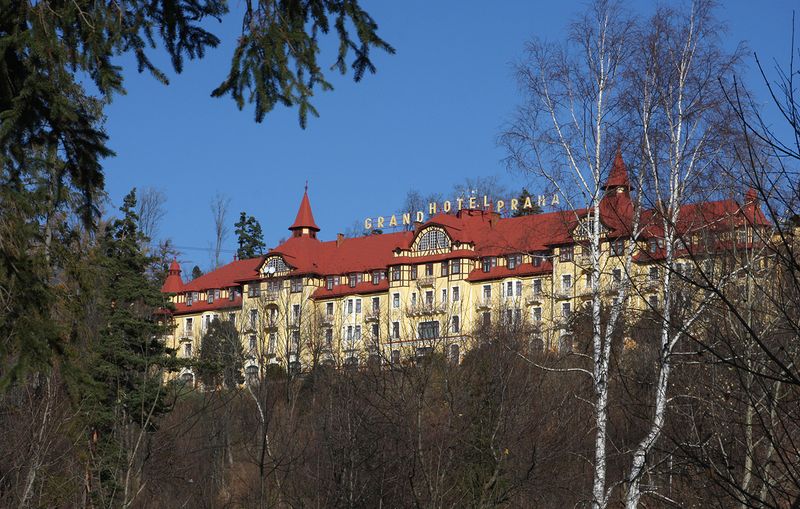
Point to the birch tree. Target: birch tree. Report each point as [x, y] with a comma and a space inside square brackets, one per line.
[683, 119]
[565, 134]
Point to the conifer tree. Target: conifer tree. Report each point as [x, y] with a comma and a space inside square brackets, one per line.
[196, 272]
[220, 356]
[123, 394]
[251, 238]
[524, 197]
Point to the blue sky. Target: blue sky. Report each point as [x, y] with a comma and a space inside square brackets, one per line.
[428, 119]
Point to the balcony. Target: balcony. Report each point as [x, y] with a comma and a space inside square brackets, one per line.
[425, 309]
[534, 299]
[373, 315]
[484, 303]
[564, 293]
[271, 324]
[270, 296]
[327, 319]
[426, 281]
[187, 335]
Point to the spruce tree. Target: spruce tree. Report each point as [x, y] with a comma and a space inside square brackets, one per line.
[251, 238]
[196, 272]
[124, 394]
[220, 356]
[524, 197]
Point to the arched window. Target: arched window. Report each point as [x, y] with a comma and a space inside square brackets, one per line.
[433, 239]
[275, 264]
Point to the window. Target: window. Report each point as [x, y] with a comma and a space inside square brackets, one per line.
[273, 317]
[232, 318]
[433, 239]
[514, 261]
[537, 287]
[349, 306]
[429, 298]
[566, 282]
[652, 246]
[428, 330]
[329, 283]
[187, 350]
[210, 296]
[358, 306]
[396, 330]
[455, 325]
[413, 299]
[537, 261]
[428, 269]
[273, 341]
[376, 305]
[653, 273]
[189, 326]
[357, 333]
[375, 332]
[395, 273]
[445, 268]
[376, 277]
[252, 342]
[252, 373]
[489, 263]
[444, 295]
[253, 318]
[295, 346]
[456, 294]
[487, 319]
[232, 294]
[413, 272]
[395, 357]
[566, 254]
[329, 338]
[274, 286]
[189, 299]
[352, 279]
[278, 264]
[395, 300]
[618, 247]
[455, 266]
[589, 281]
[296, 313]
[509, 289]
[536, 314]
[453, 354]
[297, 285]
[566, 310]
[617, 275]
[487, 293]
[518, 287]
[329, 309]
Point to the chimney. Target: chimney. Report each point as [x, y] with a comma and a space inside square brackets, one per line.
[339, 239]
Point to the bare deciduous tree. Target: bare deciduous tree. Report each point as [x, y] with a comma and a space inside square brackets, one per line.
[219, 211]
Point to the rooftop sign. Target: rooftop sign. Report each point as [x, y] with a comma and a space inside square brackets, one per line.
[512, 205]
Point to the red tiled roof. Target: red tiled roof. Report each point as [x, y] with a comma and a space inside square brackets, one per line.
[304, 219]
[226, 276]
[363, 288]
[201, 306]
[619, 174]
[173, 283]
[526, 269]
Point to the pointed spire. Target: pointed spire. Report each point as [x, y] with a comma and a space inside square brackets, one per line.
[304, 222]
[174, 282]
[618, 178]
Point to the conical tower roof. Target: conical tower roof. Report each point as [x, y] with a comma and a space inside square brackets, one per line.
[305, 218]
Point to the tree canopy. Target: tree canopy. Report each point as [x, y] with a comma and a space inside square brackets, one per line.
[250, 237]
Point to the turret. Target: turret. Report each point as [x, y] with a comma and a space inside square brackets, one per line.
[173, 283]
[304, 225]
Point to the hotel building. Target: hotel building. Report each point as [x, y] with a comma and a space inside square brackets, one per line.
[395, 297]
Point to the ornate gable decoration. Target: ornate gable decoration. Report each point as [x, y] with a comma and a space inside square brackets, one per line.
[584, 229]
[274, 265]
[432, 239]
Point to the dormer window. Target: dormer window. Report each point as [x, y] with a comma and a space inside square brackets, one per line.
[329, 283]
[274, 265]
[514, 261]
[189, 298]
[210, 298]
[489, 263]
[566, 254]
[652, 245]
[376, 277]
[433, 239]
